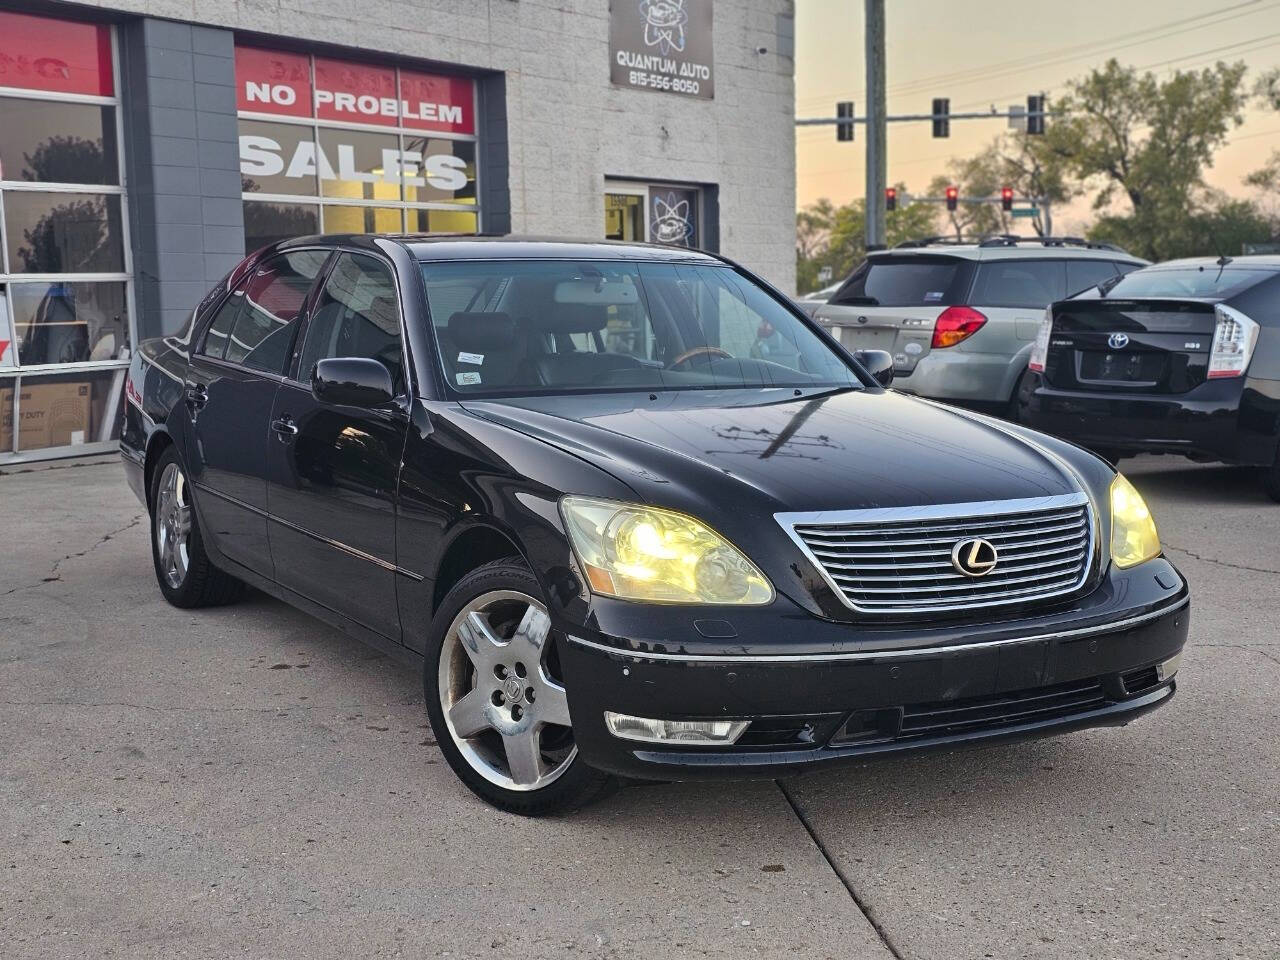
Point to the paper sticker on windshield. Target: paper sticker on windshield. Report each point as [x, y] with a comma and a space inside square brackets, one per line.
[476, 358]
[468, 379]
[932, 296]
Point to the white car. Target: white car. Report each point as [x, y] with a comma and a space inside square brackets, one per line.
[960, 319]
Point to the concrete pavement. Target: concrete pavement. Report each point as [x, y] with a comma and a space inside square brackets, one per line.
[248, 782]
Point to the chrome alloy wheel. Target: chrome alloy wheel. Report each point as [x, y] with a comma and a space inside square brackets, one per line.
[172, 525]
[508, 717]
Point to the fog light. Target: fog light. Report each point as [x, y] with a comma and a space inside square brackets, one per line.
[689, 732]
[1166, 670]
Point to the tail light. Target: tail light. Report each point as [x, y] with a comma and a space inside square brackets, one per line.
[1040, 352]
[1234, 338]
[955, 324]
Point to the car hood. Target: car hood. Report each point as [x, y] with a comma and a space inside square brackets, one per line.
[758, 452]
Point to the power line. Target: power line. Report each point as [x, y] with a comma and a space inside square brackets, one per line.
[1056, 56]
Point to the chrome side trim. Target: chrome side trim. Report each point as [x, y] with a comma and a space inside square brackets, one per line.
[336, 544]
[258, 511]
[767, 658]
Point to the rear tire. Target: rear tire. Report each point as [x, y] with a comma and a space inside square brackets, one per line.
[495, 699]
[186, 575]
[1271, 479]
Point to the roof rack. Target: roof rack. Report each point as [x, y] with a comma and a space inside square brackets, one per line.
[935, 241]
[1010, 240]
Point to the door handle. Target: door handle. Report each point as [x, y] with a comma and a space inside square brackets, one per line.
[285, 428]
[197, 396]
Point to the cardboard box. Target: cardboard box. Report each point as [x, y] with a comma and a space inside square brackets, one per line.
[50, 415]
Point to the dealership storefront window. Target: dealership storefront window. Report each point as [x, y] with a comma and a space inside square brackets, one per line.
[653, 212]
[66, 296]
[333, 146]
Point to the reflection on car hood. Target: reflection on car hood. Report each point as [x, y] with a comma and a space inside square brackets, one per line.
[767, 450]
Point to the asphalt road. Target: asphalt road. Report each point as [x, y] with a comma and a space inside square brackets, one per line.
[246, 782]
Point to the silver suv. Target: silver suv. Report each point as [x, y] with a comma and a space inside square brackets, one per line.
[960, 319]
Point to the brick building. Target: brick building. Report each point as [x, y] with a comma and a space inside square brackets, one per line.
[146, 145]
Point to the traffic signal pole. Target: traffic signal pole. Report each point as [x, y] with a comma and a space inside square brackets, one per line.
[876, 160]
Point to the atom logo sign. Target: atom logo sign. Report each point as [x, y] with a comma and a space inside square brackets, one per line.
[664, 22]
[671, 219]
[662, 45]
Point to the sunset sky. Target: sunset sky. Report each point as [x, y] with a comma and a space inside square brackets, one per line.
[983, 52]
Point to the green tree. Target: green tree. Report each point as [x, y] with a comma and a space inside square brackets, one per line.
[1267, 177]
[1146, 142]
[835, 237]
[981, 175]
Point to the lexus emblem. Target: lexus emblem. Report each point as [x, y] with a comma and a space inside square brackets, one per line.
[974, 557]
[1118, 341]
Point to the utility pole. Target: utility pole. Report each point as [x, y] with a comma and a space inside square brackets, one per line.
[876, 163]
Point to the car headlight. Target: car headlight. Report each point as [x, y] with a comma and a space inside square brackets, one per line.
[1133, 531]
[636, 552]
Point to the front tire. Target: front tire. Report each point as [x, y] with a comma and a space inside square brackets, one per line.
[495, 698]
[186, 575]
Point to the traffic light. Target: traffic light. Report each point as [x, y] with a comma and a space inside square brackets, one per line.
[891, 198]
[953, 195]
[844, 131]
[1006, 199]
[941, 117]
[1035, 115]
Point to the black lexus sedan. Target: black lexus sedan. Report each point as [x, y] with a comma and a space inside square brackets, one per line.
[1182, 357]
[634, 516]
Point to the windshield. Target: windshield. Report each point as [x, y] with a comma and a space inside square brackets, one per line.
[1206, 281]
[554, 326]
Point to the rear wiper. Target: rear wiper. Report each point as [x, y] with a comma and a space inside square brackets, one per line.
[860, 302]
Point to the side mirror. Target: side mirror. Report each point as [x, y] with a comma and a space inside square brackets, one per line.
[352, 382]
[878, 363]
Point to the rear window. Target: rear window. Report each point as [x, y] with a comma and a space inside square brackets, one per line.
[903, 282]
[1206, 281]
[1020, 283]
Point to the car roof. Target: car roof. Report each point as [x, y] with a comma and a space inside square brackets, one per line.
[430, 247]
[974, 251]
[1251, 261]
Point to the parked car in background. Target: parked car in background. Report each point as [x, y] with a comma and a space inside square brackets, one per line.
[811, 301]
[632, 515]
[960, 319]
[1182, 357]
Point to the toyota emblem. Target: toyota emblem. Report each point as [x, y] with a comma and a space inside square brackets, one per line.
[1118, 341]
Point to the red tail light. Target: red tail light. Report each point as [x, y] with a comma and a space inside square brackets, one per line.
[955, 324]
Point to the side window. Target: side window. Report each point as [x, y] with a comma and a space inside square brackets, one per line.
[357, 316]
[273, 300]
[1083, 274]
[1020, 283]
[215, 341]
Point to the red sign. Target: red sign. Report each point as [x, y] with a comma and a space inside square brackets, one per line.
[271, 82]
[281, 83]
[59, 56]
[436, 103]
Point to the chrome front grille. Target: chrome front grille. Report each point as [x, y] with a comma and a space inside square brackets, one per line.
[899, 560]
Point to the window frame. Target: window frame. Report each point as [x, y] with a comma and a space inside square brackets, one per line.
[17, 375]
[293, 373]
[201, 334]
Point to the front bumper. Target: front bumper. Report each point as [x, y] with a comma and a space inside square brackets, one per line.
[1233, 420]
[815, 707]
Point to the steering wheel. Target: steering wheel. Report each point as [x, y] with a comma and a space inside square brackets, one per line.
[697, 352]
